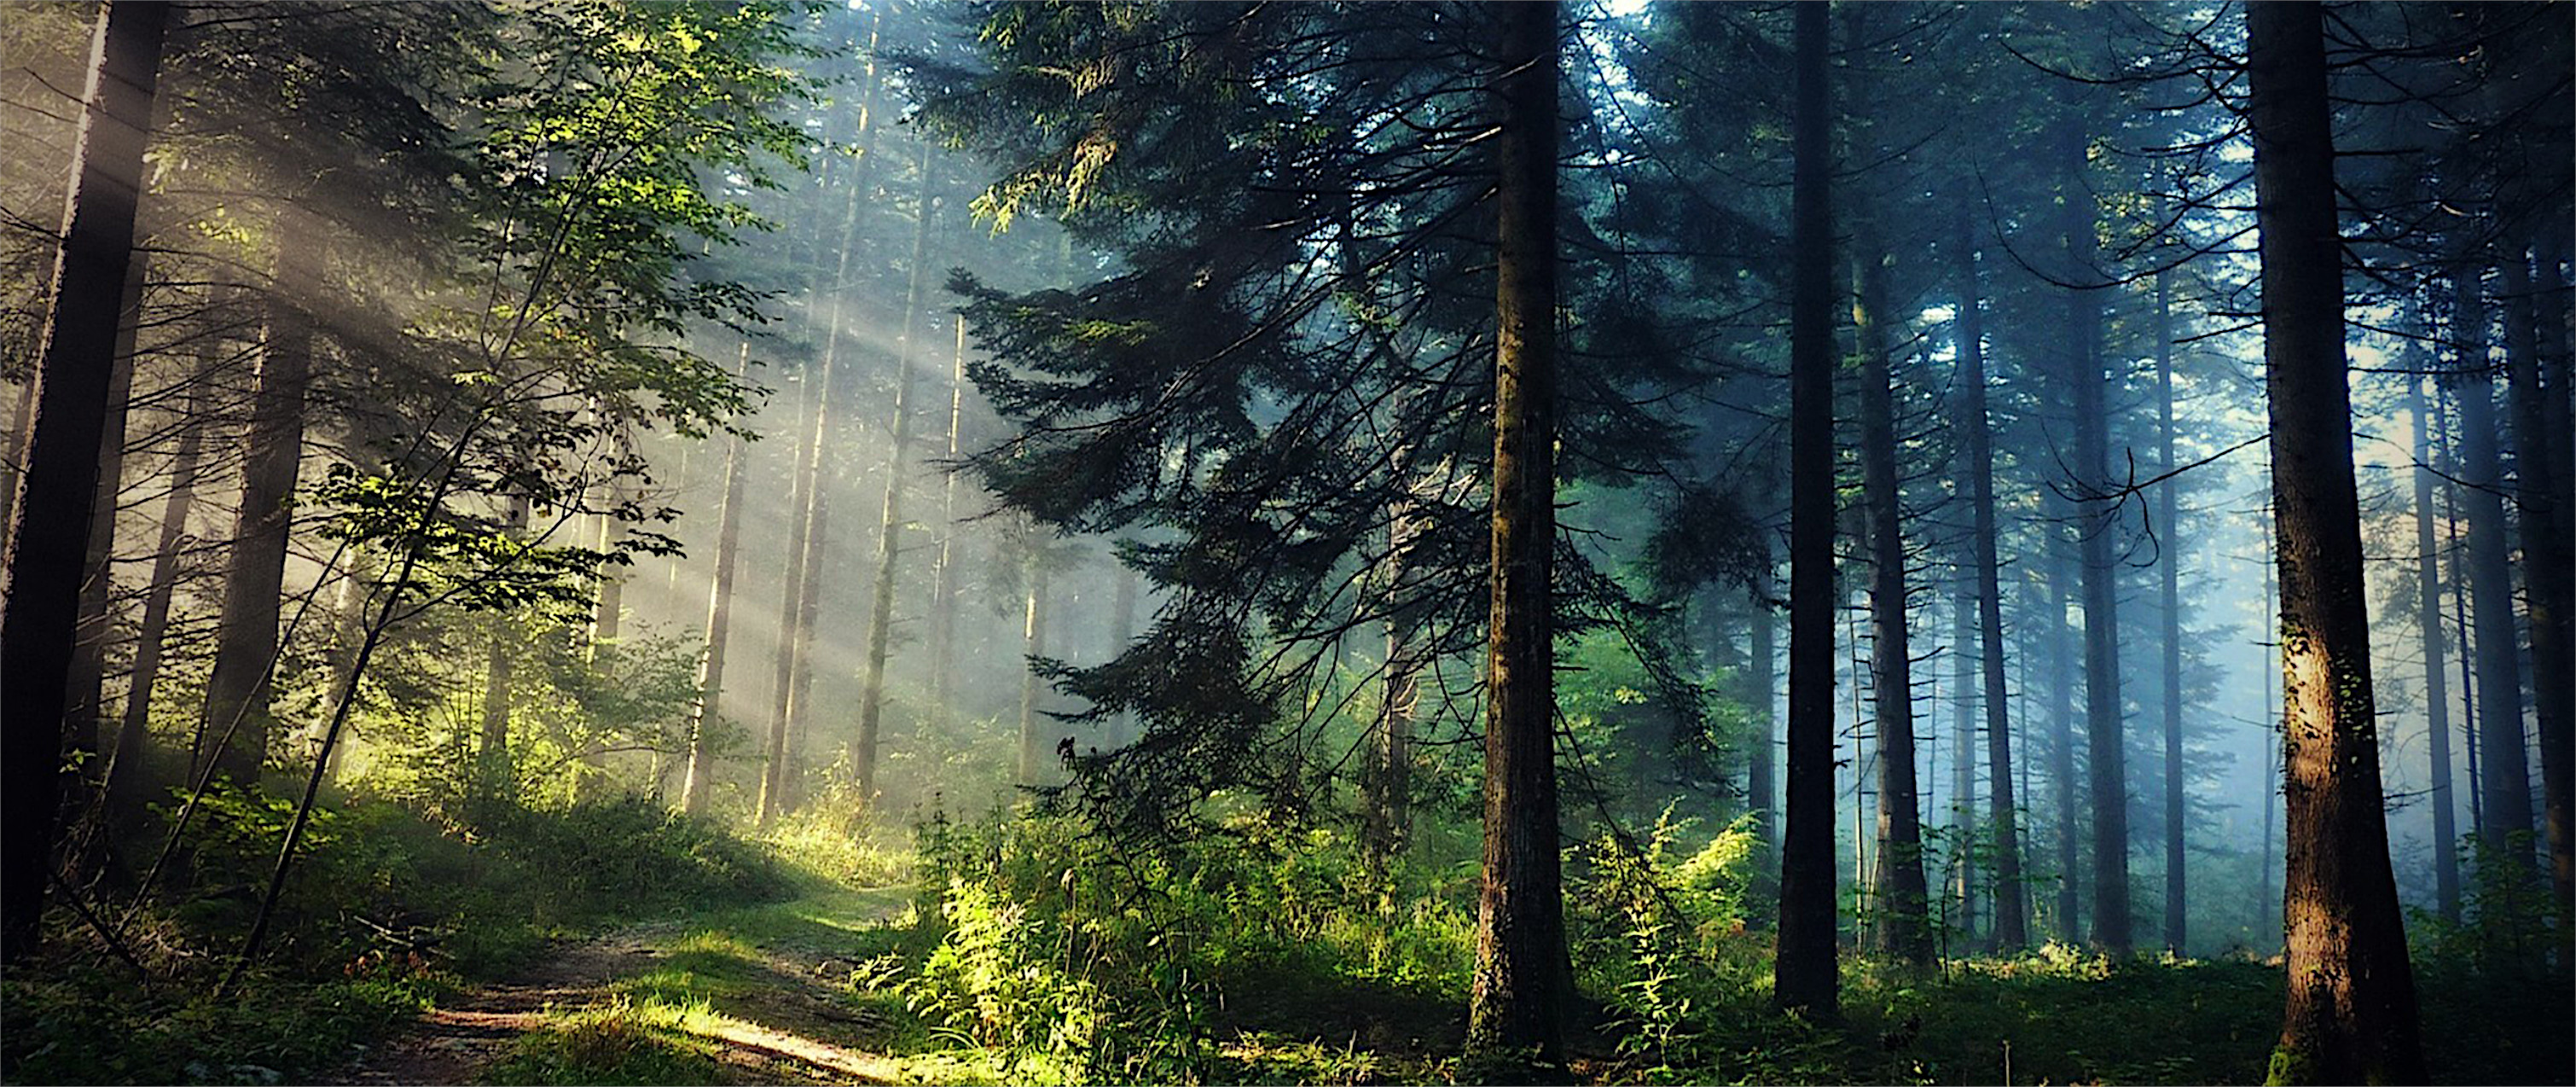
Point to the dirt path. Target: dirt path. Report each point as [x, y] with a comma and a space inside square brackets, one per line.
[785, 1027]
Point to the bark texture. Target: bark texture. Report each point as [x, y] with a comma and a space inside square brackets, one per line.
[2350, 1015]
[2012, 898]
[1900, 926]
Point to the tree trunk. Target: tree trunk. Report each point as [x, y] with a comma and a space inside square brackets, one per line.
[2105, 754]
[1122, 620]
[2437, 693]
[2350, 1015]
[129, 777]
[493, 757]
[246, 649]
[2504, 784]
[1900, 922]
[1033, 639]
[700, 783]
[1963, 761]
[890, 521]
[1516, 1008]
[2061, 750]
[1761, 775]
[82, 724]
[943, 579]
[59, 463]
[2168, 509]
[22, 417]
[1804, 974]
[791, 595]
[2547, 561]
[2012, 898]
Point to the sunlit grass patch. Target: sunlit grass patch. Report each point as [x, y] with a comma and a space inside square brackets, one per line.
[620, 1042]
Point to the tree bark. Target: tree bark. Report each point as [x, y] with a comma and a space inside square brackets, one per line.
[2061, 750]
[1804, 974]
[890, 521]
[59, 464]
[2504, 784]
[1898, 909]
[2168, 511]
[2012, 898]
[2437, 693]
[1761, 773]
[246, 649]
[1033, 644]
[2105, 753]
[2547, 561]
[128, 781]
[943, 579]
[2350, 1014]
[1523, 977]
[700, 783]
[82, 724]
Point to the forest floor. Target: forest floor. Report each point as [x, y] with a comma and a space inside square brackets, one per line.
[755, 995]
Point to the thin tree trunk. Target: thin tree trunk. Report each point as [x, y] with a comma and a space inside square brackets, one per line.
[2504, 785]
[2105, 753]
[2012, 898]
[82, 724]
[2547, 561]
[2350, 1016]
[1033, 644]
[700, 783]
[128, 781]
[2061, 753]
[943, 581]
[1523, 976]
[1900, 922]
[1761, 775]
[493, 757]
[59, 463]
[890, 522]
[246, 648]
[1963, 760]
[1386, 775]
[1122, 620]
[1804, 974]
[791, 595]
[2437, 694]
[2168, 508]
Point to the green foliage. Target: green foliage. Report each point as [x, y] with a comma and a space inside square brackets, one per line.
[620, 1042]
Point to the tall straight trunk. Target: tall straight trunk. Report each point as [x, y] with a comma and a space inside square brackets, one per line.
[2504, 784]
[1122, 629]
[1033, 644]
[2548, 563]
[2105, 753]
[2012, 898]
[88, 712]
[1963, 754]
[2168, 509]
[890, 520]
[2350, 1014]
[792, 592]
[128, 777]
[1523, 977]
[59, 463]
[493, 756]
[2437, 693]
[943, 574]
[607, 616]
[1804, 974]
[2061, 749]
[1387, 763]
[1900, 921]
[237, 690]
[1761, 775]
[2454, 547]
[700, 783]
[784, 777]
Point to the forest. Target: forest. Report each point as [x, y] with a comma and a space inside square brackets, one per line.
[1249, 541]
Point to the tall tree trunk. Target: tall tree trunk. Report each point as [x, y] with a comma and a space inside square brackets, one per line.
[2012, 898]
[2061, 749]
[2437, 693]
[1122, 627]
[890, 521]
[129, 777]
[1033, 644]
[2105, 753]
[2547, 559]
[943, 579]
[1804, 974]
[2168, 510]
[1761, 774]
[1963, 755]
[2350, 1015]
[246, 649]
[1899, 907]
[88, 712]
[700, 783]
[1523, 977]
[59, 464]
[791, 595]
[2504, 784]
[492, 758]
